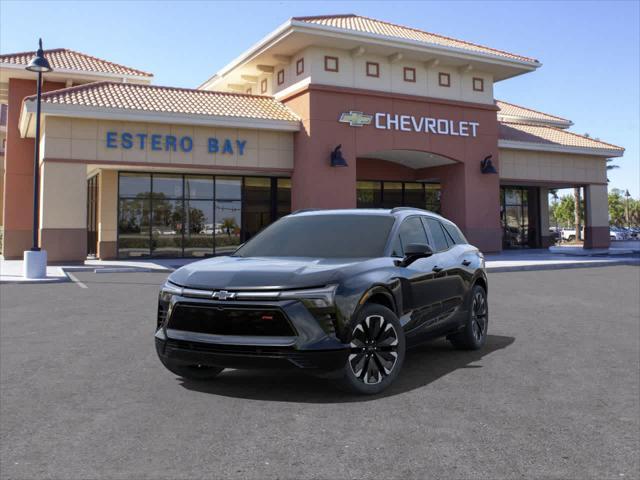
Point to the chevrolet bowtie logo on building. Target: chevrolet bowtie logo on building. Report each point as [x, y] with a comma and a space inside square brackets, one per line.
[223, 295]
[356, 119]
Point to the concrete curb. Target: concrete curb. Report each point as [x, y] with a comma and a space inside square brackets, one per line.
[561, 266]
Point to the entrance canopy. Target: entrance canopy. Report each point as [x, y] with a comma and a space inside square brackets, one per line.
[410, 158]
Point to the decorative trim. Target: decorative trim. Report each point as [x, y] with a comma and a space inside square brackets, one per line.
[385, 95]
[554, 147]
[248, 91]
[327, 63]
[300, 66]
[409, 74]
[373, 69]
[280, 77]
[263, 86]
[444, 79]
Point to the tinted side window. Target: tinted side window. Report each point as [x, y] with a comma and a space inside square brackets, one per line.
[438, 234]
[455, 233]
[411, 231]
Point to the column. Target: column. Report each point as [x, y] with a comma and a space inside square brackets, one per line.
[107, 214]
[63, 211]
[546, 240]
[596, 216]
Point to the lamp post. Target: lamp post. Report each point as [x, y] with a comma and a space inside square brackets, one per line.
[626, 208]
[35, 260]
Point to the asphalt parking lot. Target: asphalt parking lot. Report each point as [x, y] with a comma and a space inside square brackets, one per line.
[555, 393]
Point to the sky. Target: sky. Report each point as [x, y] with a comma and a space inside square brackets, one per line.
[590, 51]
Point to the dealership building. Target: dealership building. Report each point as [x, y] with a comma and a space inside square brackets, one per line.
[337, 111]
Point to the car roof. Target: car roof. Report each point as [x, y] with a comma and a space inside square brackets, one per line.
[398, 212]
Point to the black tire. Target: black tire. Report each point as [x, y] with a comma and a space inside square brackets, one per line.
[474, 334]
[571, 238]
[192, 372]
[377, 351]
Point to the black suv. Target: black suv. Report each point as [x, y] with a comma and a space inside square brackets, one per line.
[342, 293]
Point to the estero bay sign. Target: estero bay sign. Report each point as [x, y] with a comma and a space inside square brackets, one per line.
[171, 143]
[411, 123]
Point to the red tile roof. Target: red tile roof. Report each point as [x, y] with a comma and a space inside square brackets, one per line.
[370, 25]
[513, 110]
[65, 59]
[544, 135]
[152, 98]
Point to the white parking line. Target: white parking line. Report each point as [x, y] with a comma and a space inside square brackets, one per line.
[75, 280]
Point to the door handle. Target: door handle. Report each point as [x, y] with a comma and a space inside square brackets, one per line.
[466, 263]
[437, 269]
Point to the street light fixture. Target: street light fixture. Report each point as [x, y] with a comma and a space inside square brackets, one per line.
[35, 260]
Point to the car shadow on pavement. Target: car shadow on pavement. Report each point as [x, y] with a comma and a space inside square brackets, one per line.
[423, 365]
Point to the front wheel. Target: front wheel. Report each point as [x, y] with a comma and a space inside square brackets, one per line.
[474, 334]
[377, 350]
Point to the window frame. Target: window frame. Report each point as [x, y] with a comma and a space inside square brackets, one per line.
[407, 70]
[280, 76]
[300, 66]
[444, 75]
[396, 235]
[480, 82]
[377, 67]
[327, 59]
[264, 85]
[448, 240]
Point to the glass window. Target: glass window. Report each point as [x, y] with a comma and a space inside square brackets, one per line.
[198, 229]
[167, 186]
[414, 195]
[361, 236]
[411, 231]
[437, 233]
[133, 227]
[198, 188]
[167, 220]
[391, 194]
[228, 188]
[432, 197]
[257, 205]
[283, 199]
[135, 185]
[455, 233]
[227, 229]
[369, 194]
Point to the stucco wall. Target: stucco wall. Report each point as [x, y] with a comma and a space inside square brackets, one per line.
[551, 167]
[352, 73]
[85, 140]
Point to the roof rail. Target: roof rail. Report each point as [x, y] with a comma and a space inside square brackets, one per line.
[302, 210]
[399, 209]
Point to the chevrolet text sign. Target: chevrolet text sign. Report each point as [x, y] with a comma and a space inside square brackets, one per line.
[410, 123]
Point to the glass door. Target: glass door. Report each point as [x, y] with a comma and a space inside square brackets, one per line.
[92, 216]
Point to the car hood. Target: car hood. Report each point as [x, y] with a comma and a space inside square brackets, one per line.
[262, 272]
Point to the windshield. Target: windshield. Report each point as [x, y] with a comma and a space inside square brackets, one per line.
[325, 236]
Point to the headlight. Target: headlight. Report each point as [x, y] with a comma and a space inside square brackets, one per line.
[168, 290]
[314, 297]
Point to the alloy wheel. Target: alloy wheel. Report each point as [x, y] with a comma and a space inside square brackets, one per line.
[479, 315]
[374, 345]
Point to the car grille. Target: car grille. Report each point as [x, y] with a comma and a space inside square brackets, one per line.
[218, 320]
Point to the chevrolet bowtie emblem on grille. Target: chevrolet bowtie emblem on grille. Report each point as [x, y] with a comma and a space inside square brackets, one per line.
[223, 295]
[356, 119]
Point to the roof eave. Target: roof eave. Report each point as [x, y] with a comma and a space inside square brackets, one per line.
[88, 73]
[120, 114]
[533, 121]
[543, 147]
[293, 25]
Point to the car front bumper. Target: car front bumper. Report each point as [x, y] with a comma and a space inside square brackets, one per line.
[310, 345]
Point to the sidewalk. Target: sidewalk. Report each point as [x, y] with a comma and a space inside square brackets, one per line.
[506, 261]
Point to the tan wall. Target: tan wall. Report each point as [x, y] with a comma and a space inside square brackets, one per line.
[63, 195]
[108, 206]
[80, 139]
[352, 73]
[552, 167]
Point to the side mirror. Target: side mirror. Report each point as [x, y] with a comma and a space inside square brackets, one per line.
[414, 251]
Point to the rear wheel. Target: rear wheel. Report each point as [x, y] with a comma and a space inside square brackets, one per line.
[474, 334]
[377, 350]
[192, 372]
